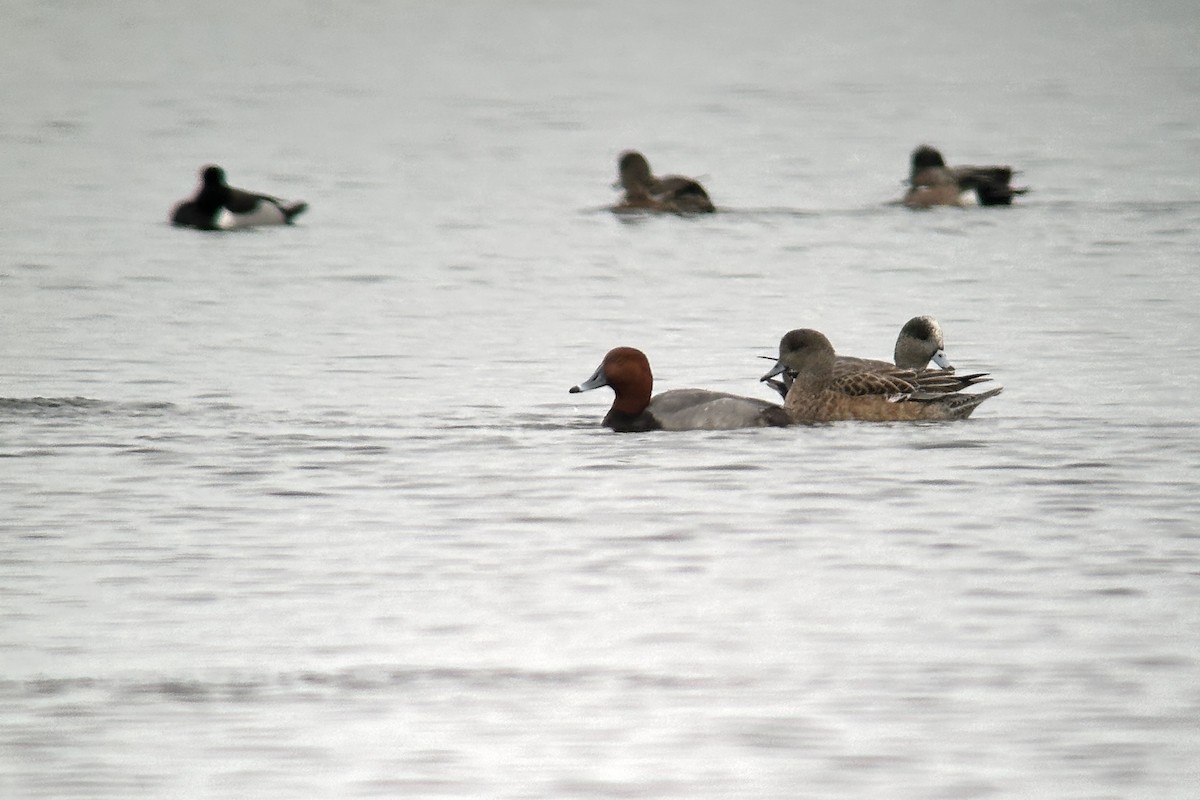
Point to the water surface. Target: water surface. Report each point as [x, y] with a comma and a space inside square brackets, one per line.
[308, 512]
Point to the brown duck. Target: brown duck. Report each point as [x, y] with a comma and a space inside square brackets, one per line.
[817, 394]
[645, 192]
[932, 183]
[919, 342]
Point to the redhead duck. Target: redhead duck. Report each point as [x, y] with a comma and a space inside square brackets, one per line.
[627, 371]
[817, 394]
[932, 183]
[219, 206]
[645, 192]
[920, 341]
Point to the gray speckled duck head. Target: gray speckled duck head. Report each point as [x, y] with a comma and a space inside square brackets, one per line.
[806, 352]
[920, 341]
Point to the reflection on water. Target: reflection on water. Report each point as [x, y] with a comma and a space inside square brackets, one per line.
[310, 512]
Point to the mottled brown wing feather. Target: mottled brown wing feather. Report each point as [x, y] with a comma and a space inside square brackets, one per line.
[683, 194]
[847, 365]
[874, 383]
[937, 381]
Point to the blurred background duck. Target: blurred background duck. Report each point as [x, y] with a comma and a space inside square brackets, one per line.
[818, 394]
[646, 192]
[932, 183]
[219, 206]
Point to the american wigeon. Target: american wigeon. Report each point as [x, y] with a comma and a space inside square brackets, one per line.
[219, 206]
[919, 342]
[882, 395]
[932, 183]
[645, 192]
[627, 371]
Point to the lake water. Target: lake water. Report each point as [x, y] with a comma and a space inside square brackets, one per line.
[308, 512]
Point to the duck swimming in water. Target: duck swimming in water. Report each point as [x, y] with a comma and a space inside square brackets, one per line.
[219, 206]
[932, 183]
[818, 394]
[919, 342]
[627, 371]
[645, 192]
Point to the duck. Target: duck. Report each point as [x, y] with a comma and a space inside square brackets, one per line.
[219, 206]
[932, 183]
[626, 370]
[645, 192]
[920, 341]
[817, 394]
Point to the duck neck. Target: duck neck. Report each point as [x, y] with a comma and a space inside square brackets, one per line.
[623, 422]
[632, 396]
[637, 193]
[212, 196]
[811, 382]
[909, 355]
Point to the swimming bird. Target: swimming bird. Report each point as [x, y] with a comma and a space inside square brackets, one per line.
[627, 371]
[817, 394]
[219, 206]
[932, 183]
[919, 342]
[645, 192]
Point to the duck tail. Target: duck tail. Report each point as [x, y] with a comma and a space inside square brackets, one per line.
[992, 185]
[292, 210]
[970, 380]
[963, 404]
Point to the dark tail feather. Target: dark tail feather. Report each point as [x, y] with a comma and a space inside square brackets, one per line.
[992, 185]
[990, 195]
[964, 404]
[970, 380]
[292, 210]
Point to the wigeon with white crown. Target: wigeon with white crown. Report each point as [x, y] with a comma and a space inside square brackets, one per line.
[920, 341]
[818, 393]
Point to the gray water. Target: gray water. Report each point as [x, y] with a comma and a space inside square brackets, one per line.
[308, 512]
